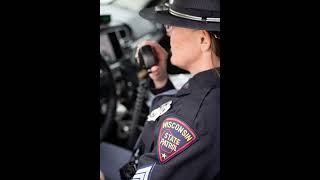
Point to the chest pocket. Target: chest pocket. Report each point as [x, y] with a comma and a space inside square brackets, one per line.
[147, 135]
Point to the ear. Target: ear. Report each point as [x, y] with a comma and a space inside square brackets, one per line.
[205, 41]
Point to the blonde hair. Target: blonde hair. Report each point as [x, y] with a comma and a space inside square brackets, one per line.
[215, 43]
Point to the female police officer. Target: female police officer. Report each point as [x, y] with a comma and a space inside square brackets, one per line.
[181, 138]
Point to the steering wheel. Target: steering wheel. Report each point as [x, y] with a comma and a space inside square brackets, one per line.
[108, 99]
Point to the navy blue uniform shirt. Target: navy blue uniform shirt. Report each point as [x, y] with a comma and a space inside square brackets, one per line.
[181, 138]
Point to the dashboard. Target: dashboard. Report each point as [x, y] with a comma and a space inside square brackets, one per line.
[113, 42]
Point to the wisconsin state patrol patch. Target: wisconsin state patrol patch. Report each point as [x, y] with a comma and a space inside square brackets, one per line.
[174, 137]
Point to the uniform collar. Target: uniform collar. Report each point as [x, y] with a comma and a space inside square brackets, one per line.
[203, 80]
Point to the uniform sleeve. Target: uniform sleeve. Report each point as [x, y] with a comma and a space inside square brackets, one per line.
[185, 150]
[167, 87]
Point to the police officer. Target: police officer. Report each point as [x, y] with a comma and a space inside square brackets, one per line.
[181, 137]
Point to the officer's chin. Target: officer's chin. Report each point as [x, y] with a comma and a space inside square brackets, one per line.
[177, 62]
[173, 60]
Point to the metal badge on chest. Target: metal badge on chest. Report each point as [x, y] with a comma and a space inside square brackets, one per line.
[159, 111]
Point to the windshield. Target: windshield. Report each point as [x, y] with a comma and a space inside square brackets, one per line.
[105, 1]
[135, 5]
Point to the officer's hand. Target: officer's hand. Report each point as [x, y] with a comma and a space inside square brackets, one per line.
[158, 72]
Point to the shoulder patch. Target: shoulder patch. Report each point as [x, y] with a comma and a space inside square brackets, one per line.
[174, 137]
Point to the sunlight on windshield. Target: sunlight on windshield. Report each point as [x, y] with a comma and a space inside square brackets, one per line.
[135, 5]
[105, 1]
